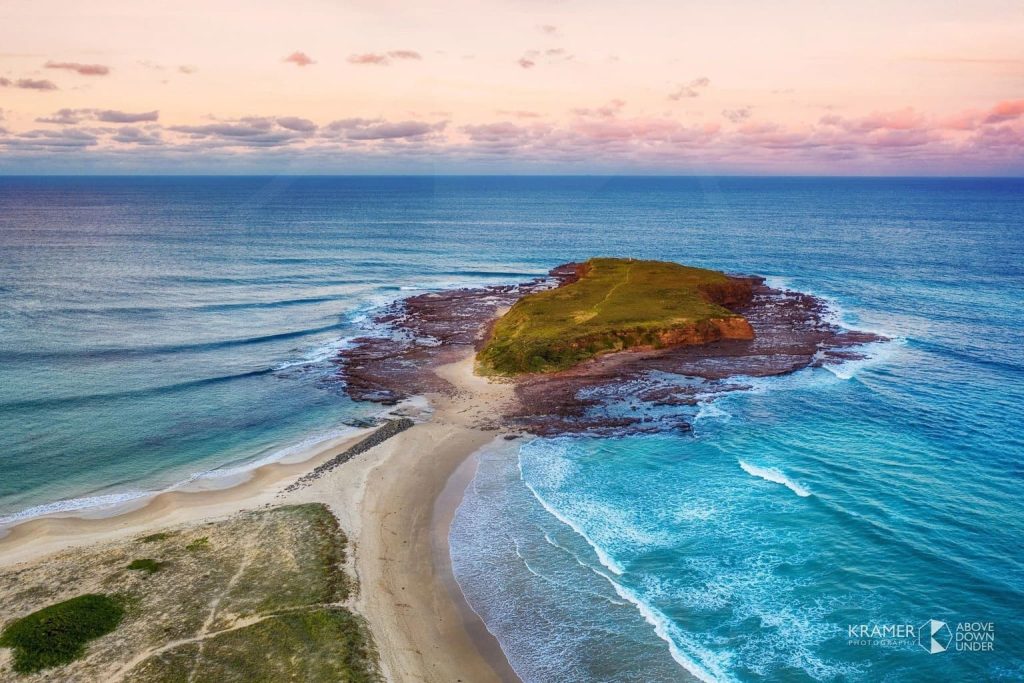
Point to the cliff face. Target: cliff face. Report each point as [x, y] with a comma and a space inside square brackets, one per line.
[707, 331]
[735, 292]
[701, 332]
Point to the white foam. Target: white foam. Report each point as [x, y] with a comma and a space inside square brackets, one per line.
[775, 476]
[709, 411]
[102, 502]
[777, 282]
[840, 317]
[318, 354]
[605, 559]
[710, 672]
[873, 352]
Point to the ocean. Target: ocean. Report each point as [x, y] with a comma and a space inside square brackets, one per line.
[156, 330]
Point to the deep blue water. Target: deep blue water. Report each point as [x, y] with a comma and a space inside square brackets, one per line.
[152, 328]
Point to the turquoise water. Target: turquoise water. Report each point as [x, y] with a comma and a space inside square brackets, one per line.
[152, 328]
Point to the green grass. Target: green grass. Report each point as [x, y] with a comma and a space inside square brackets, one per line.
[154, 538]
[57, 634]
[322, 644]
[145, 565]
[198, 544]
[617, 304]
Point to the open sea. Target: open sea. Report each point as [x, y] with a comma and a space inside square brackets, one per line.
[155, 330]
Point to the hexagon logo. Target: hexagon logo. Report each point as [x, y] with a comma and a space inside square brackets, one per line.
[934, 636]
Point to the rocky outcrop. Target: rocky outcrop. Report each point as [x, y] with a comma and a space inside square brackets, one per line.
[780, 331]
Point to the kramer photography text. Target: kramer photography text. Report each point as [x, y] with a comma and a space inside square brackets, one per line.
[934, 635]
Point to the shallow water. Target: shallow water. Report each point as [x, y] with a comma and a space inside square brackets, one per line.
[151, 328]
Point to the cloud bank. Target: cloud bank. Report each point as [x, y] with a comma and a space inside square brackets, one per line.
[604, 137]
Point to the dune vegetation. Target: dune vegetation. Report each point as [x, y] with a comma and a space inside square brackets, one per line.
[615, 304]
[57, 634]
[260, 596]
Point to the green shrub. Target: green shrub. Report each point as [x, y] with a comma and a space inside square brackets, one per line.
[57, 634]
[145, 565]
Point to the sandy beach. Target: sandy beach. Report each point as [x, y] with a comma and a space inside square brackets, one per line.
[395, 502]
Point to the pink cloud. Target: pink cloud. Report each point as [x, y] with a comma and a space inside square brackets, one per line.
[1005, 111]
[607, 111]
[383, 58]
[28, 84]
[80, 69]
[900, 141]
[390, 131]
[519, 113]
[691, 89]
[370, 58]
[115, 116]
[903, 119]
[737, 115]
[296, 123]
[405, 54]
[553, 55]
[66, 117]
[299, 59]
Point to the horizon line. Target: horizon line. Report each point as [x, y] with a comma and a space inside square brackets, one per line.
[511, 175]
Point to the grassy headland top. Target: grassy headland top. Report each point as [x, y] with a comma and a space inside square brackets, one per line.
[614, 305]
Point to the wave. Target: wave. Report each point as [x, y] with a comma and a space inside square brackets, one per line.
[154, 310]
[835, 314]
[318, 354]
[774, 476]
[72, 505]
[873, 353]
[282, 303]
[605, 559]
[108, 353]
[70, 401]
[710, 672]
[965, 356]
[491, 273]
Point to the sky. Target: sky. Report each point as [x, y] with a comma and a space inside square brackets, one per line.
[513, 86]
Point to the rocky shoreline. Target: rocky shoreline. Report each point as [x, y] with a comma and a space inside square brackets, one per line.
[620, 393]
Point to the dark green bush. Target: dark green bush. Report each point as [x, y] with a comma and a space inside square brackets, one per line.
[57, 634]
[145, 565]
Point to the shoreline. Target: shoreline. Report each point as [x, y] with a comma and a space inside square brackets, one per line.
[444, 512]
[222, 477]
[395, 501]
[37, 537]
